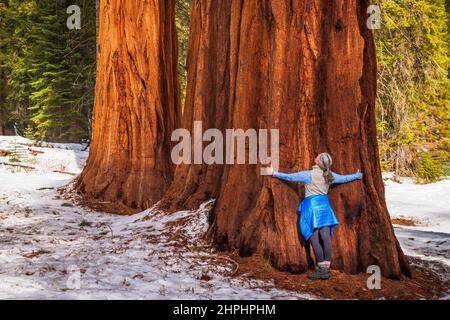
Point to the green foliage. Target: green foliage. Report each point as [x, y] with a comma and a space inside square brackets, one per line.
[17, 153]
[50, 69]
[47, 76]
[48, 88]
[183, 21]
[413, 106]
[429, 169]
[266, 266]
[85, 223]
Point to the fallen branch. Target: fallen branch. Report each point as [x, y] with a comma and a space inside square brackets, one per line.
[225, 258]
[17, 165]
[35, 152]
[233, 262]
[26, 144]
[103, 224]
[36, 253]
[65, 172]
[4, 153]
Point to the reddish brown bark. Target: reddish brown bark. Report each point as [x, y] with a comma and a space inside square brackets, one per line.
[207, 99]
[309, 69]
[136, 105]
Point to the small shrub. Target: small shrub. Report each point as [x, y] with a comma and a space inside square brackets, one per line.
[404, 222]
[429, 169]
[67, 204]
[43, 251]
[265, 267]
[17, 153]
[85, 223]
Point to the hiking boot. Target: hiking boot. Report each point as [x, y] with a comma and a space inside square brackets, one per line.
[320, 274]
[325, 273]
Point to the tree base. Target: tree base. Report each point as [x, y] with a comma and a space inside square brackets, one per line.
[70, 192]
[424, 283]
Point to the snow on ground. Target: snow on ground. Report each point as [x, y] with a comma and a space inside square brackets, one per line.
[65, 157]
[428, 206]
[50, 249]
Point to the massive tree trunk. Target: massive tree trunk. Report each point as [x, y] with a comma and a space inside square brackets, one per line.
[136, 105]
[309, 69]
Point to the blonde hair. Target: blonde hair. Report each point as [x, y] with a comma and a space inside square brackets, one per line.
[325, 162]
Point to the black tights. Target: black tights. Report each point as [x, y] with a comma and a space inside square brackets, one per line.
[322, 253]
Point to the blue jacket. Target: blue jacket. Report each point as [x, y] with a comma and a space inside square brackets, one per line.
[315, 211]
[305, 177]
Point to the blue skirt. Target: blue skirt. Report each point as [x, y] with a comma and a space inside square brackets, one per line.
[316, 213]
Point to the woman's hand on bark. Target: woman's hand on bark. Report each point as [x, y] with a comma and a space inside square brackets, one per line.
[359, 175]
[270, 170]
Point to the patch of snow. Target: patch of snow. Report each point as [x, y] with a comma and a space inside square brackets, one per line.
[50, 249]
[49, 158]
[427, 245]
[428, 206]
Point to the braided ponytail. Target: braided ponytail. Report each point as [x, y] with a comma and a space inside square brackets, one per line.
[325, 162]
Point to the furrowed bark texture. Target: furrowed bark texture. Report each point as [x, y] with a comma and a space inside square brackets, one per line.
[309, 69]
[136, 106]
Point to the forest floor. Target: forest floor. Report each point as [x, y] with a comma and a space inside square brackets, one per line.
[51, 248]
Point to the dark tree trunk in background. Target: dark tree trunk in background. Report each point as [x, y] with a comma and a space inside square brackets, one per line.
[207, 99]
[309, 69]
[2, 93]
[2, 102]
[97, 22]
[136, 105]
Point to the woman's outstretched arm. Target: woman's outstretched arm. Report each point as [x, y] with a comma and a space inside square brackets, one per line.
[302, 176]
[339, 179]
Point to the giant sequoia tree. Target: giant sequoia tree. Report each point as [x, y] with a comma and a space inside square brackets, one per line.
[136, 105]
[309, 69]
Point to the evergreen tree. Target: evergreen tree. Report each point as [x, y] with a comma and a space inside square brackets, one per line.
[183, 21]
[3, 107]
[413, 86]
[17, 25]
[58, 71]
[47, 76]
[51, 68]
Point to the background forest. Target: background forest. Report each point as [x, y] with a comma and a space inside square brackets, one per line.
[47, 77]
